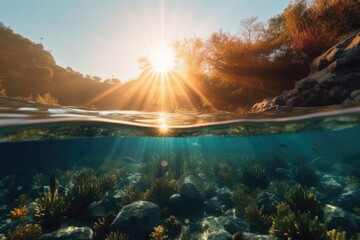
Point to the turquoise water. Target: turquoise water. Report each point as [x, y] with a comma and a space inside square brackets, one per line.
[155, 157]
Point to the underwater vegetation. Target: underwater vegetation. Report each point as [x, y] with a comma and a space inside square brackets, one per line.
[131, 194]
[300, 226]
[225, 174]
[161, 190]
[302, 200]
[26, 232]
[18, 213]
[253, 176]
[102, 226]
[209, 190]
[305, 175]
[51, 209]
[158, 233]
[117, 236]
[241, 197]
[256, 215]
[174, 226]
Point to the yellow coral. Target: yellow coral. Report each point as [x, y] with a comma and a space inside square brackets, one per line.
[157, 234]
[18, 213]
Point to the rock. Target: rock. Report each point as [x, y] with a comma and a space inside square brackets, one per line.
[224, 196]
[137, 219]
[213, 229]
[192, 189]
[234, 224]
[334, 78]
[268, 200]
[108, 204]
[331, 185]
[349, 199]
[213, 207]
[69, 233]
[337, 218]
[253, 236]
[220, 235]
[2, 236]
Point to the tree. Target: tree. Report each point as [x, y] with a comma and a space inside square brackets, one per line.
[252, 30]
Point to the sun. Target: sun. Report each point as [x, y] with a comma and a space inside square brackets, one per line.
[162, 59]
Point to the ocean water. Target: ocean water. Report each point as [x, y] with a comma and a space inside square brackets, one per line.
[205, 170]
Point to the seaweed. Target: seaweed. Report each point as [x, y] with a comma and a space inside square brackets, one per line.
[303, 200]
[225, 174]
[305, 175]
[102, 226]
[241, 197]
[256, 215]
[272, 165]
[209, 190]
[336, 234]
[161, 190]
[158, 233]
[108, 182]
[117, 236]
[38, 179]
[253, 176]
[50, 210]
[298, 227]
[280, 188]
[174, 226]
[27, 232]
[131, 194]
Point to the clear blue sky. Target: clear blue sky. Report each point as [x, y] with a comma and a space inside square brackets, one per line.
[106, 38]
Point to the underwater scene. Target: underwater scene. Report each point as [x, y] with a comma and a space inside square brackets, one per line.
[70, 173]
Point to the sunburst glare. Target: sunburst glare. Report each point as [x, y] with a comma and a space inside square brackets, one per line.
[162, 59]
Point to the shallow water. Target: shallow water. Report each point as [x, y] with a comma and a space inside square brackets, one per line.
[138, 147]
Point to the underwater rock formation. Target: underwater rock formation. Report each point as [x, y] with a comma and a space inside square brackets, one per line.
[137, 219]
[334, 79]
[336, 217]
[68, 233]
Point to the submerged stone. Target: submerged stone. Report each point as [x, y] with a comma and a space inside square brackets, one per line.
[69, 233]
[192, 189]
[336, 218]
[137, 219]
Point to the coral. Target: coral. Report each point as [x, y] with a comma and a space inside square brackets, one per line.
[253, 175]
[255, 215]
[298, 227]
[225, 174]
[50, 209]
[161, 190]
[241, 197]
[174, 226]
[209, 190]
[303, 200]
[27, 232]
[117, 236]
[158, 233]
[18, 213]
[131, 194]
[305, 175]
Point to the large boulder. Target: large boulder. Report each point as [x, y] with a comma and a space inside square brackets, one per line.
[336, 217]
[137, 219]
[334, 79]
[70, 233]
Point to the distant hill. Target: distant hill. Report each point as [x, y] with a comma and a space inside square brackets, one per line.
[26, 68]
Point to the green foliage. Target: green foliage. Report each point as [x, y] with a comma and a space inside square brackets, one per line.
[27, 232]
[299, 226]
[51, 209]
[256, 215]
[117, 236]
[303, 200]
[253, 176]
[305, 175]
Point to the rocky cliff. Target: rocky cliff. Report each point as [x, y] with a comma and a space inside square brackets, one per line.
[334, 79]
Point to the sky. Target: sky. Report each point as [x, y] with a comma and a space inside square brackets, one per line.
[106, 38]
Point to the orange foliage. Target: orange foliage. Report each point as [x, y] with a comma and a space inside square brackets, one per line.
[18, 213]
